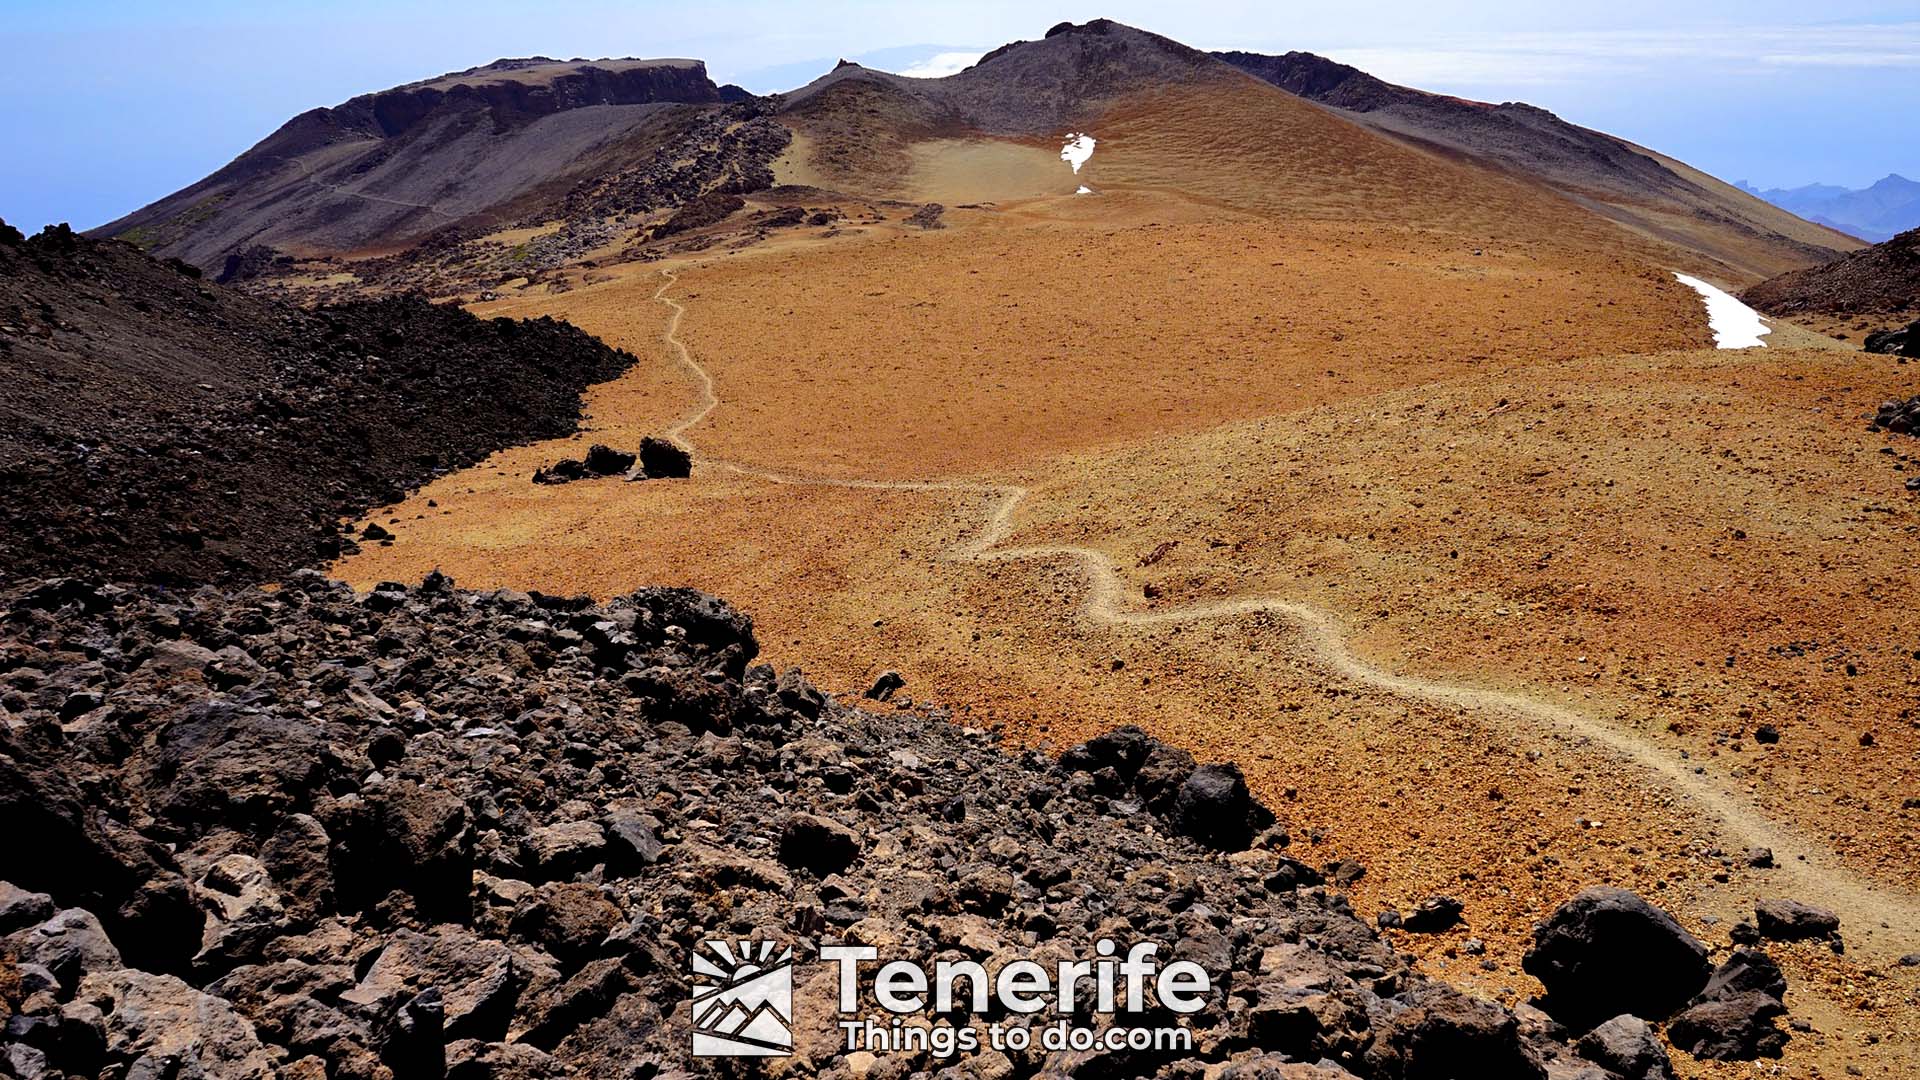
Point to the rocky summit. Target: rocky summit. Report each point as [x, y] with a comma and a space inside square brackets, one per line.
[423, 831]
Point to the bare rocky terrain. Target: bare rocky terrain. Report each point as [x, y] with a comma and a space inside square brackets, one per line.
[1317, 536]
[425, 832]
[162, 427]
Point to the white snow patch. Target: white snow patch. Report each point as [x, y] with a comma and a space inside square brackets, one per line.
[1078, 149]
[1735, 325]
[1084, 190]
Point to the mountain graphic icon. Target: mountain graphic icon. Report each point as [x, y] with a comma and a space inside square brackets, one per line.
[742, 999]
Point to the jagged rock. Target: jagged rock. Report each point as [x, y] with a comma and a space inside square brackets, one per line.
[1746, 971]
[606, 461]
[1439, 1032]
[884, 687]
[1739, 1027]
[299, 857]
[1607, 951]
[818, 844]
[20, 908]
[559, 851]
[1627, 1046]
[58, 843]
[1433, 915]
[1215, 808]
[661, 459]
[568, 919]
[71, 944]
[1792, 920]
[1901, 341]
[631, 837]
[158, 1026]
[407, 837]
[478, 980]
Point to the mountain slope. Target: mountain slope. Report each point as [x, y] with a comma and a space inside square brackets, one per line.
[164, 428]
[387, 168]
[1883, 279]
[1639, 189]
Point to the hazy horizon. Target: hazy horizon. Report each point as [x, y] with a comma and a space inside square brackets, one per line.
[117, 105]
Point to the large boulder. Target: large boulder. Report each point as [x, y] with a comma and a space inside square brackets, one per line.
[406, 836]
[1793, 920]
[158, 1026]
[1626, 1045]
[71, 944]
[479, 981]
[1440, 1033]
[661, 460]
[1739, 1027]
[1215, 808]
[1747, 971]
[60, 844]
[1607, 952]
[818, 844]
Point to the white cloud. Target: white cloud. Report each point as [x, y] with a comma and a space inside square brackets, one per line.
[940, 65]
[1532, 59]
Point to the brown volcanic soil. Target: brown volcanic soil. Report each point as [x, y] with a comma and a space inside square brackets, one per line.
[1169, 384]
[1446, 476]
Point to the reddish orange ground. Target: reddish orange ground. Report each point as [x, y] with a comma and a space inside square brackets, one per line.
[1512, 470]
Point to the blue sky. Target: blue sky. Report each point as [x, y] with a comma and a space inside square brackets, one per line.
[113, 104]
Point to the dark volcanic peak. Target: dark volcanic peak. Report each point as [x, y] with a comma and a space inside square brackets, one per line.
[472, 148]
[1342, 86]
[1029, 87]
[1882, 279]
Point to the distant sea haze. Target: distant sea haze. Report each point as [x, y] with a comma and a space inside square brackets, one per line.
[1891, 205]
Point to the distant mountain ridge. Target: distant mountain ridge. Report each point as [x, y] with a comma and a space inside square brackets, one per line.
[1878, 212]
[597, 144]
[1638, 188]
[389, 167]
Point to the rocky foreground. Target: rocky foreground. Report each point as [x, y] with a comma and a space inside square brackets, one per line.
[427, 832]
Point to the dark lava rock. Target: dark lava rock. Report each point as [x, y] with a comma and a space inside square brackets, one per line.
[1442, 1033]
[606, 461]
[698, 213]
[564, 471]
[817, 844]
[222, 438]
[502, 821]
[928, 216]
[1607, 952]
[1904, 341]
[661, 459]
[1899, 417]
[1627, 1046]
[885, 686]
[1746, 971]
[1215, 808]
[1736, 1028]
[1209, 804]
[1433, 915]
[1767, 734]
[1792, 920]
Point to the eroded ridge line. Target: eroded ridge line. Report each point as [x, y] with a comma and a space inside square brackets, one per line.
[1809, 869]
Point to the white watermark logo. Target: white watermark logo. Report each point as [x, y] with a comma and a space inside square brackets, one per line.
[742, 999]
[743, 1002]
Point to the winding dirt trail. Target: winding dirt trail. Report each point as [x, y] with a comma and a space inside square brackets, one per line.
[1879, 921]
